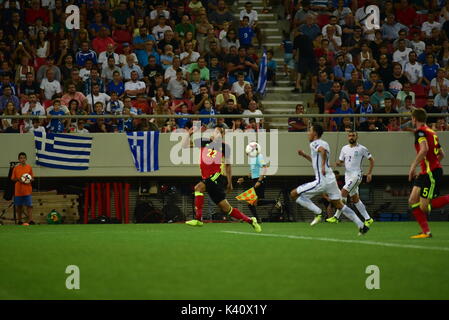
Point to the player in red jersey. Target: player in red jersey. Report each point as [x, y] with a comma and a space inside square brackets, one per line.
[212, 153]
[425, 192]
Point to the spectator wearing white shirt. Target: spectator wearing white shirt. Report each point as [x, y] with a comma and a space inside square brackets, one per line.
[159, 30]
[252, 112]
[188, 56]
[33, 106]
[104, 56]
[333, 21]
[158, 11]
[238, 87]
[50, 86]
[129, 67]
[334, 40]
[107, 72]
[413, 69]
[127, 52]
[115, 106]
[170, 73]
[401, 54]
[429, 25]
[178, 85]
[438, 82]
[85, 72]
[35, 127]
[134, 87]
[441, 100]
[97, 96]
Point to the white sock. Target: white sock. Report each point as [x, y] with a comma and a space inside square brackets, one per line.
[352, 216]
[307, 203]
[361, 207]
[338, 212]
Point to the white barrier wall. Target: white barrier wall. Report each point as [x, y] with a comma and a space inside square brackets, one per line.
[111, 156]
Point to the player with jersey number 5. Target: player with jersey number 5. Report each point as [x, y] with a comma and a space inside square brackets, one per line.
[325, 181]
[23, 176]
[426, 185]
[352, 156]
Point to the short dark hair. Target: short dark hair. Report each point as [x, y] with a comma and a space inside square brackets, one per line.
[318, 129]
[22, 154]
[419, 114]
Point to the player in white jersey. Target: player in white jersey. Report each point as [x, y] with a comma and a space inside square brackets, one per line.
[325, 181]
[352, 156]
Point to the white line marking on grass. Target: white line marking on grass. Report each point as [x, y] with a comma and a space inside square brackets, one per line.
[373, 243]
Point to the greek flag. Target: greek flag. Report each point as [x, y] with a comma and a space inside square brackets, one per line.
[144, 147]
[262, 82]
[62, 151]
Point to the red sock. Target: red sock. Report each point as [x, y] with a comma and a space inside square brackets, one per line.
[235, 213]
[199, 203]
[440, 202]
[422, 219]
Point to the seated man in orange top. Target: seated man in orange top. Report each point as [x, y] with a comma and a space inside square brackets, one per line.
[23, 190]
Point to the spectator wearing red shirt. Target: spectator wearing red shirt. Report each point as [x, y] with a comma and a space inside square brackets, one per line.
[406, 14]
[36, 12]
[100, 43]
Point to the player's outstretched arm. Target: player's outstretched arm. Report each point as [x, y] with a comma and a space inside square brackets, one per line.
[186, 143]
[323, 153]
[423, 148]
[229, 176]
[441, 155]
[369, 175]
[304, 155]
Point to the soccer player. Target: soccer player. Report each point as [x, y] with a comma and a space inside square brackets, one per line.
[22, 191]
[424, 195]
[352, 156]
[258, 169]
[325, 181]
[212, 152]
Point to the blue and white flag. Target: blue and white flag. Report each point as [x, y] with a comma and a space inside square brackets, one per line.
[262, 82]
[62, 151]
[144, 147]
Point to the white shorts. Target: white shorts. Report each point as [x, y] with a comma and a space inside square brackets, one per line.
[352, 183]
[318, 188]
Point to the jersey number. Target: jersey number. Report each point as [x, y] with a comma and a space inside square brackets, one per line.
[435, 141]
[211, 153]
[425, 192]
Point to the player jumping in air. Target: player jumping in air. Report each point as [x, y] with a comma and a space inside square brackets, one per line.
[352, 156]
[325, 181]
[212, 151]
[426, 185]
[258, 169]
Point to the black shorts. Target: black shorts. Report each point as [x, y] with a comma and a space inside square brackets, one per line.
[430, 183]
[305, 66]
[216, 189]
[260, 191]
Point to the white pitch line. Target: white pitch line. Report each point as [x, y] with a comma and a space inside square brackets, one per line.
[374, 243]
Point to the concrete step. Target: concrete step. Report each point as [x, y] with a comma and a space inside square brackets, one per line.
[283, 89]
[262, 16]
[257, 8]
[252, 1]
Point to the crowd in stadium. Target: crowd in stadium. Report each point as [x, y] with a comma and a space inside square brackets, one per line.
[195, 57]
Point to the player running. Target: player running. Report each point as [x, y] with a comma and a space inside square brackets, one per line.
[212, 152]
[258, 169]
[427, 183]
[325, 181]
[352, 156]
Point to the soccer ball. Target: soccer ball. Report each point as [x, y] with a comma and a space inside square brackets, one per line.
[253, 149]
[26, 178]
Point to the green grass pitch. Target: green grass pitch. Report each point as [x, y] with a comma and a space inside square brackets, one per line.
[223, 261]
